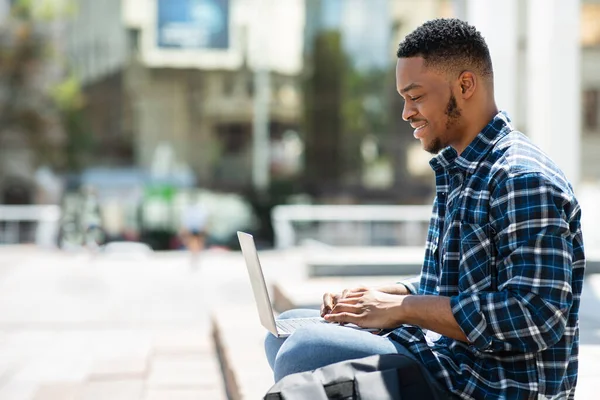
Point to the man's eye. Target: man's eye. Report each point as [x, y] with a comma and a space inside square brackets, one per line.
[415, 98]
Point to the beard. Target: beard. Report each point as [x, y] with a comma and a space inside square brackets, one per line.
[453, 114]
[452, 111]
[434, 147]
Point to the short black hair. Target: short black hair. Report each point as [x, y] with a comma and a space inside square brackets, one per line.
[449, 44]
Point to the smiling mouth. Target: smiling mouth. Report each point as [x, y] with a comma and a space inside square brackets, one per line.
[419, 129]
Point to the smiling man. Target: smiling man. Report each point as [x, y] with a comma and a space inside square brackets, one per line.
[494, 313]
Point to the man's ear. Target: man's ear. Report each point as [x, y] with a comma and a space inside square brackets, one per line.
[467, 82]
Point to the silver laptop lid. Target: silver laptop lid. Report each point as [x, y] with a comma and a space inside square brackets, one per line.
[257, 279]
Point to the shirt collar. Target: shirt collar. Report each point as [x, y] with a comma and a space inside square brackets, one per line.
[448, 159]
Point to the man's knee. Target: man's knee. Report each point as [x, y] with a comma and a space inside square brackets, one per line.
[303, 351]
[272, 345]
[314, 347]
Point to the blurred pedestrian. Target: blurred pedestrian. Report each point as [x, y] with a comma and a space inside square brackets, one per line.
[194, 219]
[91, 224]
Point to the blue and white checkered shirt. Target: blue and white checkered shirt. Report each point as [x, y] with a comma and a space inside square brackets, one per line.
[505, 245]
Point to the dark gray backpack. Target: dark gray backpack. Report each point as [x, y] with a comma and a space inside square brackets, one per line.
[379, 377]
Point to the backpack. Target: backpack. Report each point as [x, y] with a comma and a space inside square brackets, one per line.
[378, 377]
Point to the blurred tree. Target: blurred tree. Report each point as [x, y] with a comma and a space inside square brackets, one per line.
[342, 106]
[323, 91]
[40, 103]
[364, 114]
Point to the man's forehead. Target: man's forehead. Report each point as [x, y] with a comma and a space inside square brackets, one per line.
[412, 63]
[411, 73]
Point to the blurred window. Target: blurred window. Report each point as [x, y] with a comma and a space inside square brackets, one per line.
[133, 40]
[276, 86]
[233, 137]
[590, 28]
[250, 86]
[229, 82]
[591, 109]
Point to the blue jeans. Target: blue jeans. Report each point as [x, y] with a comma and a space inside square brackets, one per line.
[316, 346]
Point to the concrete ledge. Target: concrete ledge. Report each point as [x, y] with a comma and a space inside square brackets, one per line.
[592, 264]
[330, 261]
[364, 261]
[239, 339]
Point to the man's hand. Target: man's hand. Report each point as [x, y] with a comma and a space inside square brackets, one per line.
[331, 299]
[368, 309]
[390, 307]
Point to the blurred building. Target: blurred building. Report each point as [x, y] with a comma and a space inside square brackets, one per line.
[590, 85]
[180, 73]
[98, 51]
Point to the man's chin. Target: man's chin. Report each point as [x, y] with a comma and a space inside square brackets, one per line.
[433, 152]
[431, 149]
[432, 146]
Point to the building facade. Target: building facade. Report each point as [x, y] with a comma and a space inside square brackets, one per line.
[150, 82]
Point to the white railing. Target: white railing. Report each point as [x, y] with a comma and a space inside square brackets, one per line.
[350, 224]
[37, 224]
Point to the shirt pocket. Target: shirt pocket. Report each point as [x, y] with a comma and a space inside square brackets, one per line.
[476, 258]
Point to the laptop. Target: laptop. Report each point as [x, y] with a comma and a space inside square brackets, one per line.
[279, 328]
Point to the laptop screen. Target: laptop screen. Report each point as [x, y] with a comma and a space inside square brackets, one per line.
[257, 279]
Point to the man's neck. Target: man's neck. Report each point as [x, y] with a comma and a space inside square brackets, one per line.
[472, 129]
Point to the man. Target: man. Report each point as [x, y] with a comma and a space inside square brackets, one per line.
[504, 262]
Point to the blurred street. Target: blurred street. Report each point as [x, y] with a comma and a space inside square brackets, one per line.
[74, 326]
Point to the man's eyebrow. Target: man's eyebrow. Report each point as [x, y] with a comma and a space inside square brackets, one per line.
[410, 87]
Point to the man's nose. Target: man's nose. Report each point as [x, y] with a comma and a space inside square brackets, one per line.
[408, 111]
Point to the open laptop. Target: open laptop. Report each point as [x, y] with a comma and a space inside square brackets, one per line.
[279, 328]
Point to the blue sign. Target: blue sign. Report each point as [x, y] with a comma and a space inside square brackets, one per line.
[193, 24]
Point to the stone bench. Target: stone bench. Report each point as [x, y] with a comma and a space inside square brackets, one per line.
[239, 339]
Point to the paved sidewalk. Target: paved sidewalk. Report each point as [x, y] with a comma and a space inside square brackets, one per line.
[77, 328]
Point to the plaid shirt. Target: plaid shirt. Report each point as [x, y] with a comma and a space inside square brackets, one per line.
[505, 244]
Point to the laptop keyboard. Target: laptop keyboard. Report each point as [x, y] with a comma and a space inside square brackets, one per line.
[290, 325]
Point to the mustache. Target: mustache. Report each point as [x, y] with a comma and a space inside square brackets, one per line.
[412, 121]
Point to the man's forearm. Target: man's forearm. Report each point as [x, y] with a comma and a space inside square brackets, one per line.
[432, 313]
[396, 288]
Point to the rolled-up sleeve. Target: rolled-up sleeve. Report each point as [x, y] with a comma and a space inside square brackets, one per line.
[534, 252]
[411, 284]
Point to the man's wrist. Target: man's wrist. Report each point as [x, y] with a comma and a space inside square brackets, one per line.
[397, 289]
[407, 308]
[401, 310]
